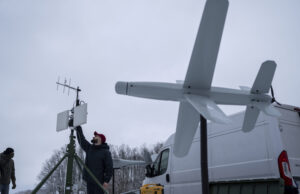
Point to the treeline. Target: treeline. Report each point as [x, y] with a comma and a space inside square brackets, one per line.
[126, 179]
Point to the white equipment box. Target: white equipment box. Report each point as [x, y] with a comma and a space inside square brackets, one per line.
[62, 121]
[80, 115]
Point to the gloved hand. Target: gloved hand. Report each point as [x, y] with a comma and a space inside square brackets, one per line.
[105, 185]
[14, 186]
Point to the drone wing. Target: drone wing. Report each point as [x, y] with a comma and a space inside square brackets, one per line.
[187, 123]
[199, 75]
[204, 56]
[119, 163]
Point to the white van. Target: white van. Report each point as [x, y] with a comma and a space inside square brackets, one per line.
[271, 151]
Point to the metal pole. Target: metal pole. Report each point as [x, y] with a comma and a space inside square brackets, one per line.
[113, 186]
[204, 163]
[47, 176]
[91, 174]
[78, 164]
[71, 152]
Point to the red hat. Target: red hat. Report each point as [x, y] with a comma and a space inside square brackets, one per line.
[103, 138]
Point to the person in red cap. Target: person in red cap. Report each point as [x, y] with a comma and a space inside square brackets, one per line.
[98, 159]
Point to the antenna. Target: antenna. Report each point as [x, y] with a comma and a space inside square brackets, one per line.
[64, 120]
[65, 85]
[78, 113]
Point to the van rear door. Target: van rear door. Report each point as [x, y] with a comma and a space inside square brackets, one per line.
[289, 126]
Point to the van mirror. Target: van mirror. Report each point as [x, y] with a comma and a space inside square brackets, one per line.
[148, 171]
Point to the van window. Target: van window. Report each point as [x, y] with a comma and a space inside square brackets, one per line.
[160, 165]
[156, 165]
[164, 162]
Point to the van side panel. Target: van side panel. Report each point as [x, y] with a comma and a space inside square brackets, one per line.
[185, 173]
[235, 155]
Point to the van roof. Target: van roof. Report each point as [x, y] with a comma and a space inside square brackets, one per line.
[288, 107]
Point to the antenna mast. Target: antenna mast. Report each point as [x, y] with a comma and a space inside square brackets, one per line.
[70, 153]
[72, 145]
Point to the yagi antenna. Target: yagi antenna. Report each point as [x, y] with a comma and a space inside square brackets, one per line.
[66, 85]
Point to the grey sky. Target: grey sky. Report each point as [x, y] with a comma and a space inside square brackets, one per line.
[96, 43]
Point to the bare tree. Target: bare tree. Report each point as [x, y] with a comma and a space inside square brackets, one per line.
[56, 182]
[126, 179]
[130, 178]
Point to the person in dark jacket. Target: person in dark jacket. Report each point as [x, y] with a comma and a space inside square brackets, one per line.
[98, 159]
[7, 171]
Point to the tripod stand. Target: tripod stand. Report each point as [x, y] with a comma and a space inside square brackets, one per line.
[71, 155]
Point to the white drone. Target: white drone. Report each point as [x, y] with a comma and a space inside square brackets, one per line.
[195, 93]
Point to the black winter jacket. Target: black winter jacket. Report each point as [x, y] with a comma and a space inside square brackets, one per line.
[98, 159]
[7, 169]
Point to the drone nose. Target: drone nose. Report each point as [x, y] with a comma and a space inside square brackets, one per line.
[121, 87]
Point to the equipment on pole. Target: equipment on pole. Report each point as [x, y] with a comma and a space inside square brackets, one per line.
[64, 120]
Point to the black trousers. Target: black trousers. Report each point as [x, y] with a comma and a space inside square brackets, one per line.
[93, 188]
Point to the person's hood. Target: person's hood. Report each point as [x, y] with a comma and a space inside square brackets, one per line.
[4, 157]
[102, 146]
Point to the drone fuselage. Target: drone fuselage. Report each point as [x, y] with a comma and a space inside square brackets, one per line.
[176, 92]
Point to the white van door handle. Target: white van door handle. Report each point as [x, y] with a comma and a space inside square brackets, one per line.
[167, 178]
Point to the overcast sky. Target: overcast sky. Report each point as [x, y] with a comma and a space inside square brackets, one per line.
[99, 42]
